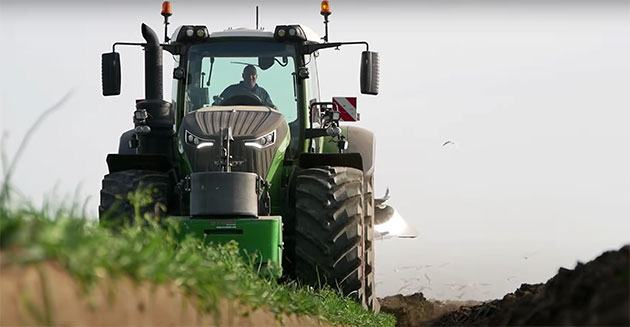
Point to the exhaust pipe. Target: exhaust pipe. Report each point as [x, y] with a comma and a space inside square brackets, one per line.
[152, 65]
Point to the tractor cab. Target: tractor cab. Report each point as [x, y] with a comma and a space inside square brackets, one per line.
[236, 67]
[248, 67]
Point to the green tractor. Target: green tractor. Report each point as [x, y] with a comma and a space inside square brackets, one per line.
[262, 161]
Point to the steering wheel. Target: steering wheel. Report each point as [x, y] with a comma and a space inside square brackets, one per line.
[243, 99]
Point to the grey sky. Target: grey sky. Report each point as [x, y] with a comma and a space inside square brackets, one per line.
[535, 97]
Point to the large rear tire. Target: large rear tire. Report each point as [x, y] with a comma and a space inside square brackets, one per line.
[368, 224]
[116, 207]
[329, 242]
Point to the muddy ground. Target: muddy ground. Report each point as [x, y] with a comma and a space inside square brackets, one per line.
[593, 294]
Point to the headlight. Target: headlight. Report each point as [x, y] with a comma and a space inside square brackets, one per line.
[263, 141]
[196, 141]
[289, 33]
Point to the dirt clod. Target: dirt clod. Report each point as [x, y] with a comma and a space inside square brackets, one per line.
[416, 310]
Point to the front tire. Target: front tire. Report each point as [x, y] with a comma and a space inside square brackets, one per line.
[116, 207]
[329, 243]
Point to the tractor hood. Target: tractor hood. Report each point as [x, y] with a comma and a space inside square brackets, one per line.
[259, 134]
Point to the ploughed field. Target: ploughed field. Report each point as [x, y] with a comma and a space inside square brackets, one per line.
[593, 294]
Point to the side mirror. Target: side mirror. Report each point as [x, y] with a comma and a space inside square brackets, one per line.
[369, 72]
[265, 62]
[110, 73]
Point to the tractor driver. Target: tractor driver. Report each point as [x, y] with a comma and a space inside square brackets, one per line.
[247, 87]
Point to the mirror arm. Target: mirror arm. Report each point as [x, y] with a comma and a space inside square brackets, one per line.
[310, 48]
[126, 43]
[172, 48]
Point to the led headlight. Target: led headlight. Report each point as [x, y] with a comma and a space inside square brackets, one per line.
[289, 33]
[179, 73]
[191, 33]
[263, 141]
[140, 115]
[205, 145]
[196, 141]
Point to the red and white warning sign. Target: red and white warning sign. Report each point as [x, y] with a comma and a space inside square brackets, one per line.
[347, 108]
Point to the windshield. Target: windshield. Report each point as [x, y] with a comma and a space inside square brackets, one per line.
[242, 73]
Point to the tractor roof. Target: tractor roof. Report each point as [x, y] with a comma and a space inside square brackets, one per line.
[311, 35]
[241, 32]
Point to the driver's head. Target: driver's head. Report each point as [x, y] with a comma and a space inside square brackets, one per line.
[249, 76]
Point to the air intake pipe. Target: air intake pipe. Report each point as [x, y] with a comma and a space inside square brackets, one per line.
[154, 117]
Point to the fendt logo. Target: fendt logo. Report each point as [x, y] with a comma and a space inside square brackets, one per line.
[347, 108]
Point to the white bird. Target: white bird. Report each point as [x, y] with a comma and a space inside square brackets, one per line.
[529, 255]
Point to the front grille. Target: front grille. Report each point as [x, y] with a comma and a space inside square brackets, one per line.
[257, 161]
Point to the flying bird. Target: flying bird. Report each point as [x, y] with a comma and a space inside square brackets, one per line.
[529, 255]
[447, 143]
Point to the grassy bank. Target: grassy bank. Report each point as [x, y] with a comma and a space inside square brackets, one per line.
[30, 235]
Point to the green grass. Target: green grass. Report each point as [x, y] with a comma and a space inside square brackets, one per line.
[153, 253]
